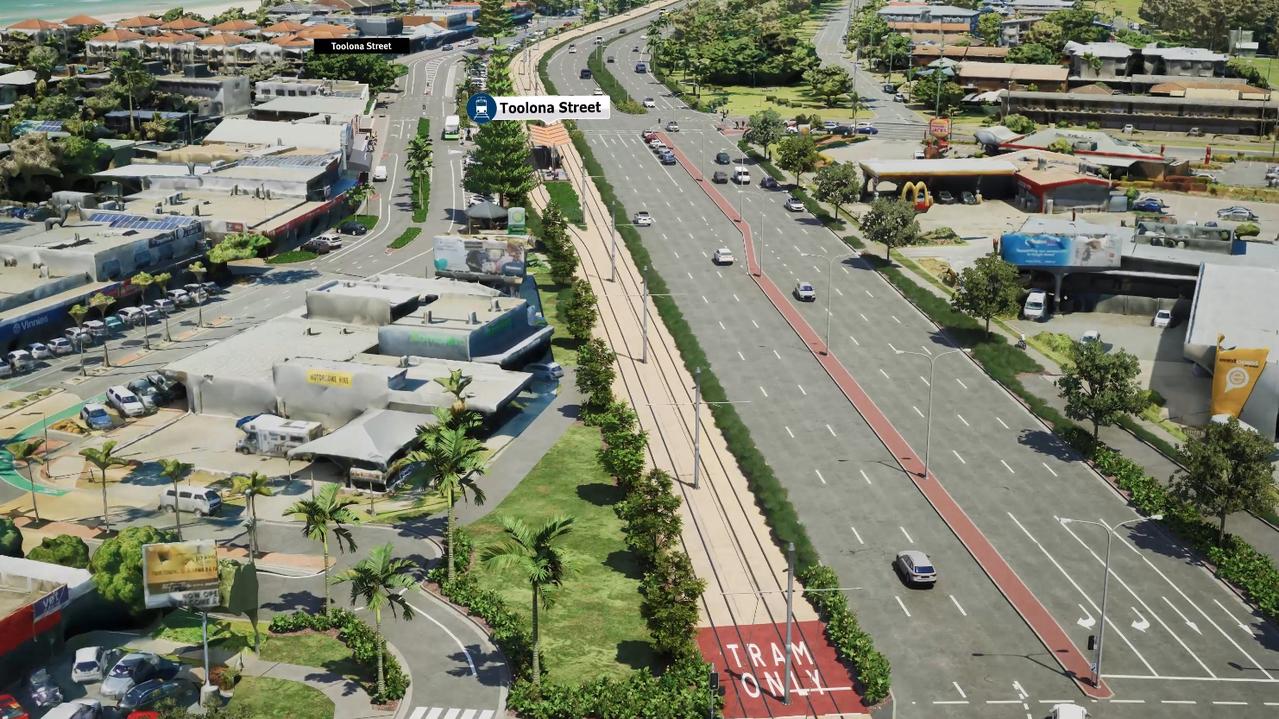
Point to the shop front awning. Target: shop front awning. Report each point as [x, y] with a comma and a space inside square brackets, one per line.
[374, 437]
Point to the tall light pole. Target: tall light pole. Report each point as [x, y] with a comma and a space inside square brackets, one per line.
[1105, 583]
[697, 421]
[612, 249]
[928, 420]
[644, 295]
[830, 264]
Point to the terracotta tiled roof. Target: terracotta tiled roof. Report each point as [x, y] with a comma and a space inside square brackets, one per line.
[284, 26]
[174, 38]
[326, 31]
[552, 135]
[184, 23]
[234, 26]
[225, 39]
[35, 24]
[83, 20]
[291, 41]
[118, 35]
[140, 21]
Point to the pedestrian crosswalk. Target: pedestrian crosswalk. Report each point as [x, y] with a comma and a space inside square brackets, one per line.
[450, 713]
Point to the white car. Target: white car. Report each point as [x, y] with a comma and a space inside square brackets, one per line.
[794, 205]
[91, 664]
[805, 292]
[1090, 337]
[722, 256]
[380, 173]
[656, 144]
[125, 401]
[165, 306]
[61, 346]
[40, 350]
[545, 370]
[131, 315]
[572, 49]
[1162, 318]
[180, 297]
[672, 126]
[597, 91]
[650, 102]
[642, 219]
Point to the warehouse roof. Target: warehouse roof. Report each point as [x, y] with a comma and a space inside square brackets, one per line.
[1225, 303]
[315, 105]
[253, 352]
[260, 132]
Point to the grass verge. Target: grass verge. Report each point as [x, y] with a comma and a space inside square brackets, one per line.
[598, 629]
[310, 650]
[369, 221]
[280, 699]
[622, 99]
[564, 194]
[405, 238]
[291, 256]
[563, 347]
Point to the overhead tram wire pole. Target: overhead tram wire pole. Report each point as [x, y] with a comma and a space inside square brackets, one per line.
[644, 295]
[928, 421]
[612, 220]
[1105, 582]
[830, 264]
[697, 421]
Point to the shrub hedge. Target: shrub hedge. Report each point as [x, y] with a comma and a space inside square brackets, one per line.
[843, 631]
[360, 639]
[622, 99]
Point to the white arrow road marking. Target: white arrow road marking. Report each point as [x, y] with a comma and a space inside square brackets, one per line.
[1020, 692]
[1192, 625]
[1238, 623]
[1142, 624]
[961, 691]
[1087, 621]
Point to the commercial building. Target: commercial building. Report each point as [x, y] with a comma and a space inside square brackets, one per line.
[1122, 157]
[903, 12]
[213, 94]
[1002, 75]
[1167, 114]
[39, 602]
[921, 55]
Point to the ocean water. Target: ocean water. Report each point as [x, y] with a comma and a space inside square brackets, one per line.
[12, 11]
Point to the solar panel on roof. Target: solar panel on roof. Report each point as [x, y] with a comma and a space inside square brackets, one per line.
[137, 222]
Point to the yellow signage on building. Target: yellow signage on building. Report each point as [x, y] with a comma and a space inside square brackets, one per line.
[1235, 374]
[329, 378]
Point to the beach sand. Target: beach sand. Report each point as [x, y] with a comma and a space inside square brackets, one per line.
[113, 10]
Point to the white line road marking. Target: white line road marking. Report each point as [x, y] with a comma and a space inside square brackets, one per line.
[961, 691]
[739, 354]
[832, 432]
[943, 701]
[736, 298]
[924, 380]
[900, 604]
[721, 325]
[854, 339]
[907, 534]
[839, 292]
[921, 414]
[881, 371]
[755, 323]
[792, 434]
[961, 459]
[1250, 680]
[819, 475]
[862, 316]
[856, 534]
[801, 390]
[1020, 691]
[1050, 469]
[1000, 421]
[961, 609]
[894, 349]
[470, 662]
[1231, 704]
[705, 300]
[1194, 627]
[1238, 623]
[1127, 701]
[864, 475]
[1176, 701]
[776, 355]
[926, 350]
[868, 294]
[1003, 701]
[893, 316]
[761, 390]
[1010, 469]
[961, 383]
[961, 419]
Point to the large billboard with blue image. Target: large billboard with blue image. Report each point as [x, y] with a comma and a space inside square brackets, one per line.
[1037, 249]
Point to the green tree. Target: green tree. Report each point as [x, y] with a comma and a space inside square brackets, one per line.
[376, 70]
[379, 582]
[102, 303]
[989, 27]
[1033, 54]
[1100, 387]
[797, 154]
[579, 309]
[1226, 469]
[143, 281]
[241, 246]
[27, 451]
[251, 486]
[326, 514]
[651, 515]
[1046, 33]
[117, 565]
[175, 470]
[65, 549]
[494, 20]
[891, 223]
[540, 560]
[162, 279]
[623, 453]
[78, 313]
[987, 289]
[501, 148]
[448, 461]
[560, 253]
[766, 128]
[938, 91]
[357, 195]
[595, 375]
[133, 80]
[198, 271]
[894, 53]
[672, 592]
[828, 82]
[838, 183]
[456, 384]
[1019, 124]
[42, 59]
[104, 458]
[420, 159]
[10, 538]
[1061, 145]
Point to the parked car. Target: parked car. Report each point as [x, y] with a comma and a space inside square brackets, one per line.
[865, 128]
[125, 402]
[900, 97]
[164, 305]
[91, 664]
[351, 227]
[115, 325]
[40, 350]
[794, 204]
[648, 136]
[1162, 318]
[1237, 213]
[916, 568]
[145, 393]
[197, 292]
[642, 219]
[722, 256]
[151, 693]
[829, 125]
[78, 709]
[1090, 337]
[77, 336]
[805, 292]
[316, 245]
[545, 370]
[61, 346]
[21, 361]
[97, 329]
[1149, 204]
[719, 177]
[448, 46]
[722, 158]
[333, 239]
[130, 315]
[5, 369]
[168, 388]
[650, 102]
[203, 502]
[945, 197]
[42, 689]
[669, 159]
[11, 709]
[95, 416]
[967, 198]
[134, 669]
[656, 144]
[179, 297]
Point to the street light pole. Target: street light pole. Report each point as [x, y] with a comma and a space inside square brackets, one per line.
[830, 264]
[1105, 583]
[697, 427]
[928, 420]
[790, 604]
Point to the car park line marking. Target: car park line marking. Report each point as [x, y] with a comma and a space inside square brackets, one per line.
[924, 380]
[891, 347]
[797, 249]
[1127, 701]
[856, 534]
[792, 434]
[819, 475]
[961, 383]
[926, 350]
[832, 431]
[865, 476]
[739, 354]
[721, 325]
[961, 609]
[1087, 597]
[961, 419]
[868, 294]
[1010, 469]
[845, 269]
[705, 300]
[907, 534]
[690, 276]
[904, 609]
[1001, 422]
[863, 317]
[838, 291]
[921, 414]
[961, 459]
[893, 316]
[1050, 469]
[761, 389]
[961, 691]
[755, 323]
[881, 371]
[1018, 688]
[736, 298]
[719, 274]
[854, 339]
[801, 390]
[776, 355]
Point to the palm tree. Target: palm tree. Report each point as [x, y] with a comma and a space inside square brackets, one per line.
[252, 486]
[78, 313]
[103, 458]
[162, 279]
[26, 451]
[324, 515]
[356, 196]
[456, 384]
[198, 269]
[540, 560]
[379, 581]
[448, 461]
[102, 303]
[175, 470]
[144, 280]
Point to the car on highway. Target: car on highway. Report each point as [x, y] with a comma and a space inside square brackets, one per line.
[642, 219]
[899, 97]
[1090, 337]
[650, 102]
[865, 128]
[793, 204]
[655, 143]
[805, 292]
[672, 126]
[888, 87]
[597, 92]
[719, 177]
[572, 49]
[11, 709]
[61, 346]
[40, 350]
[1162, 318]
[1149, 204]
[916, 568]
[723, 158]
[1068, 711]
[380, 173]
[1238, 213]
[351, 227]
[545, 370]
[668, 158]
[741, 175]
[641, 67]
[768, 183]
[584, 74]
[134, 669]
[722, 256]
[946, 197]
[95, 416]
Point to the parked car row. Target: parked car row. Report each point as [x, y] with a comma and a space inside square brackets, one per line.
[139, 397]
[138, 682]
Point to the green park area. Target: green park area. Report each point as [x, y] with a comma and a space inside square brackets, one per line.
[303, 649]
[280, 699]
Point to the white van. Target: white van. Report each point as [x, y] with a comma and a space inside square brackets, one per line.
[125, 401]
[201, 501]
[1036, 307]
[741, 175]
[379, 173]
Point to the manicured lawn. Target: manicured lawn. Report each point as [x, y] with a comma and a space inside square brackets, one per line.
[564, 194]
[290, 256]
[594, 628]
[1264, 65]
[563, 347]
[746, 100]
[369, 221]
[311, 650]
[408, 236]
[280, 699]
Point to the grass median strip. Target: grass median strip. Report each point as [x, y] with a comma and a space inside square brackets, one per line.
[622, 100]
[405, 238]
[291, 256]
[564, 194]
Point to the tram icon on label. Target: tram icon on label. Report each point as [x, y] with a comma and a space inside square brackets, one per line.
[481, 108]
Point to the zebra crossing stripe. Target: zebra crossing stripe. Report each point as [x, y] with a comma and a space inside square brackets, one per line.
[451, 713]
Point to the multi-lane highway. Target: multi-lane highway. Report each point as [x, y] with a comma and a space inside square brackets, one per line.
[1178, 642]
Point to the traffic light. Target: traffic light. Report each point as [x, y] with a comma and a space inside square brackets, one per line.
[1092, 642]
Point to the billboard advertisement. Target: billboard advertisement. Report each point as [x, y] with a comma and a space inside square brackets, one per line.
[1234, 375]
[1027, 249]
[180, 573]
[481, 258]
[939, 128]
